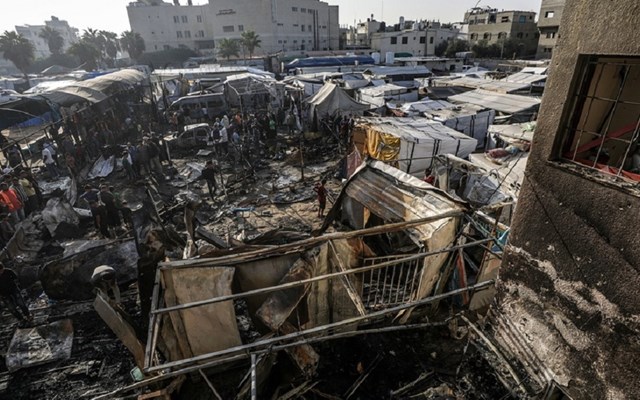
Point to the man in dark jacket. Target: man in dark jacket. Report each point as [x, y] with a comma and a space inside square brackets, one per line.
[11, 296]
[209, 175]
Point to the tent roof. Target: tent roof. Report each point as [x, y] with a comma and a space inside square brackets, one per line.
[332, 98]
[507, 103]
[416, 130]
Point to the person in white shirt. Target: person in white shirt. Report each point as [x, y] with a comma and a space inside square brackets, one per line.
[223, 144]
[48, 154]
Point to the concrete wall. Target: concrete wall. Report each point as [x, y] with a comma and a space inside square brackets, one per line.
[159, 25]
[419, 42]
[281, 24]
[549, 25]
[570, 285]
[493, 32]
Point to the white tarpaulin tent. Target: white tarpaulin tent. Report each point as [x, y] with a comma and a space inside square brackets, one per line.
[331, 99]
[379, 95]
[469, 119]
[413, 142]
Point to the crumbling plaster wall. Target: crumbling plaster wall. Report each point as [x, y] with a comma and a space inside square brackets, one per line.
[570, 279]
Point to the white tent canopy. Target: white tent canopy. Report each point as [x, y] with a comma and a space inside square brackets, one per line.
[331, 99]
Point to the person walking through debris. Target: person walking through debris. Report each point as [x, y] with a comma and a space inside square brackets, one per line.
[108, 198]
[6, 229]
[90, 194]
[290, 121]
[127, 164]
[209, 175]
[11, 296]
[322, 197]
[32, 196]
[104, 281]
[9, 198]
[127, 214]
[49, 159]
[99, 213]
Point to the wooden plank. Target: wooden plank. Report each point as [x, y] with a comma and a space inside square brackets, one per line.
[121, 328]
[211, 238]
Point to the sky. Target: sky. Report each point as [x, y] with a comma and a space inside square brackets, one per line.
[112, 15]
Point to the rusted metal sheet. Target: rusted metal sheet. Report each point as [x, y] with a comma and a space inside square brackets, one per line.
[279, 305]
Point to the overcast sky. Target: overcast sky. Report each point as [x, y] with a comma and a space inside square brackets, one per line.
[112, 15]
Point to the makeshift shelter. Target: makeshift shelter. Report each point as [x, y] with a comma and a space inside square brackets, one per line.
[415, 109]
[409, 143]
[250, 89]
[500, 86]
[378, 96]
[473, 121]
[331, 100]
[518, 108]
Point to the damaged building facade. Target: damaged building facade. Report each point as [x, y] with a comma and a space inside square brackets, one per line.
[568, 304]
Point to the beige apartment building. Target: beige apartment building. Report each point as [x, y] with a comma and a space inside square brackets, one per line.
[495, 26]
[283, 25]
[549, 26]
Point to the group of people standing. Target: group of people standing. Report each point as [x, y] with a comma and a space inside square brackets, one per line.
[109, 211]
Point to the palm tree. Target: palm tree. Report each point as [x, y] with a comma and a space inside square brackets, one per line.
[228, 48]
[17, 49]
[87, 52]
[132, 43]
[54, 39]
[110, 45]
[250, 41]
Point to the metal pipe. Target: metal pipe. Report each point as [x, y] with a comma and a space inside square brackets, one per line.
[315, 279]
[319, 329]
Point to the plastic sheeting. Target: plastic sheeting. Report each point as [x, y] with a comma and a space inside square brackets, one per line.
[59, 217]
[102, 168]
[40, 345]
[414, 142]
[331, 99]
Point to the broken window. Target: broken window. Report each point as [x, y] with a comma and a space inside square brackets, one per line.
[601, 131]
[549, 14]
[504, 19]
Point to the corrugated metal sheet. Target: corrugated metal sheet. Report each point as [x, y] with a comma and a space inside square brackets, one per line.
[487, 84]
[395, 197]
[506, 103]
[522, 77]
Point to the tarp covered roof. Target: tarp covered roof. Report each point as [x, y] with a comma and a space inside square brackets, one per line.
[506, 103]
[332, 98]
[418, 130]
[92, 90]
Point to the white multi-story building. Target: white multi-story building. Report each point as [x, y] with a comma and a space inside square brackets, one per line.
[283, 25]
[420, 40]
[32, 33]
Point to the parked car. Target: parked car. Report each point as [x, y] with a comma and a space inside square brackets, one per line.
[193, 136]
[214, 104]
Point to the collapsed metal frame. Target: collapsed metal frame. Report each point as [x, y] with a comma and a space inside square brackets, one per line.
[284, 341]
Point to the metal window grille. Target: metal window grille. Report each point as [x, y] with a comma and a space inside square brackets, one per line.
[602, 132]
